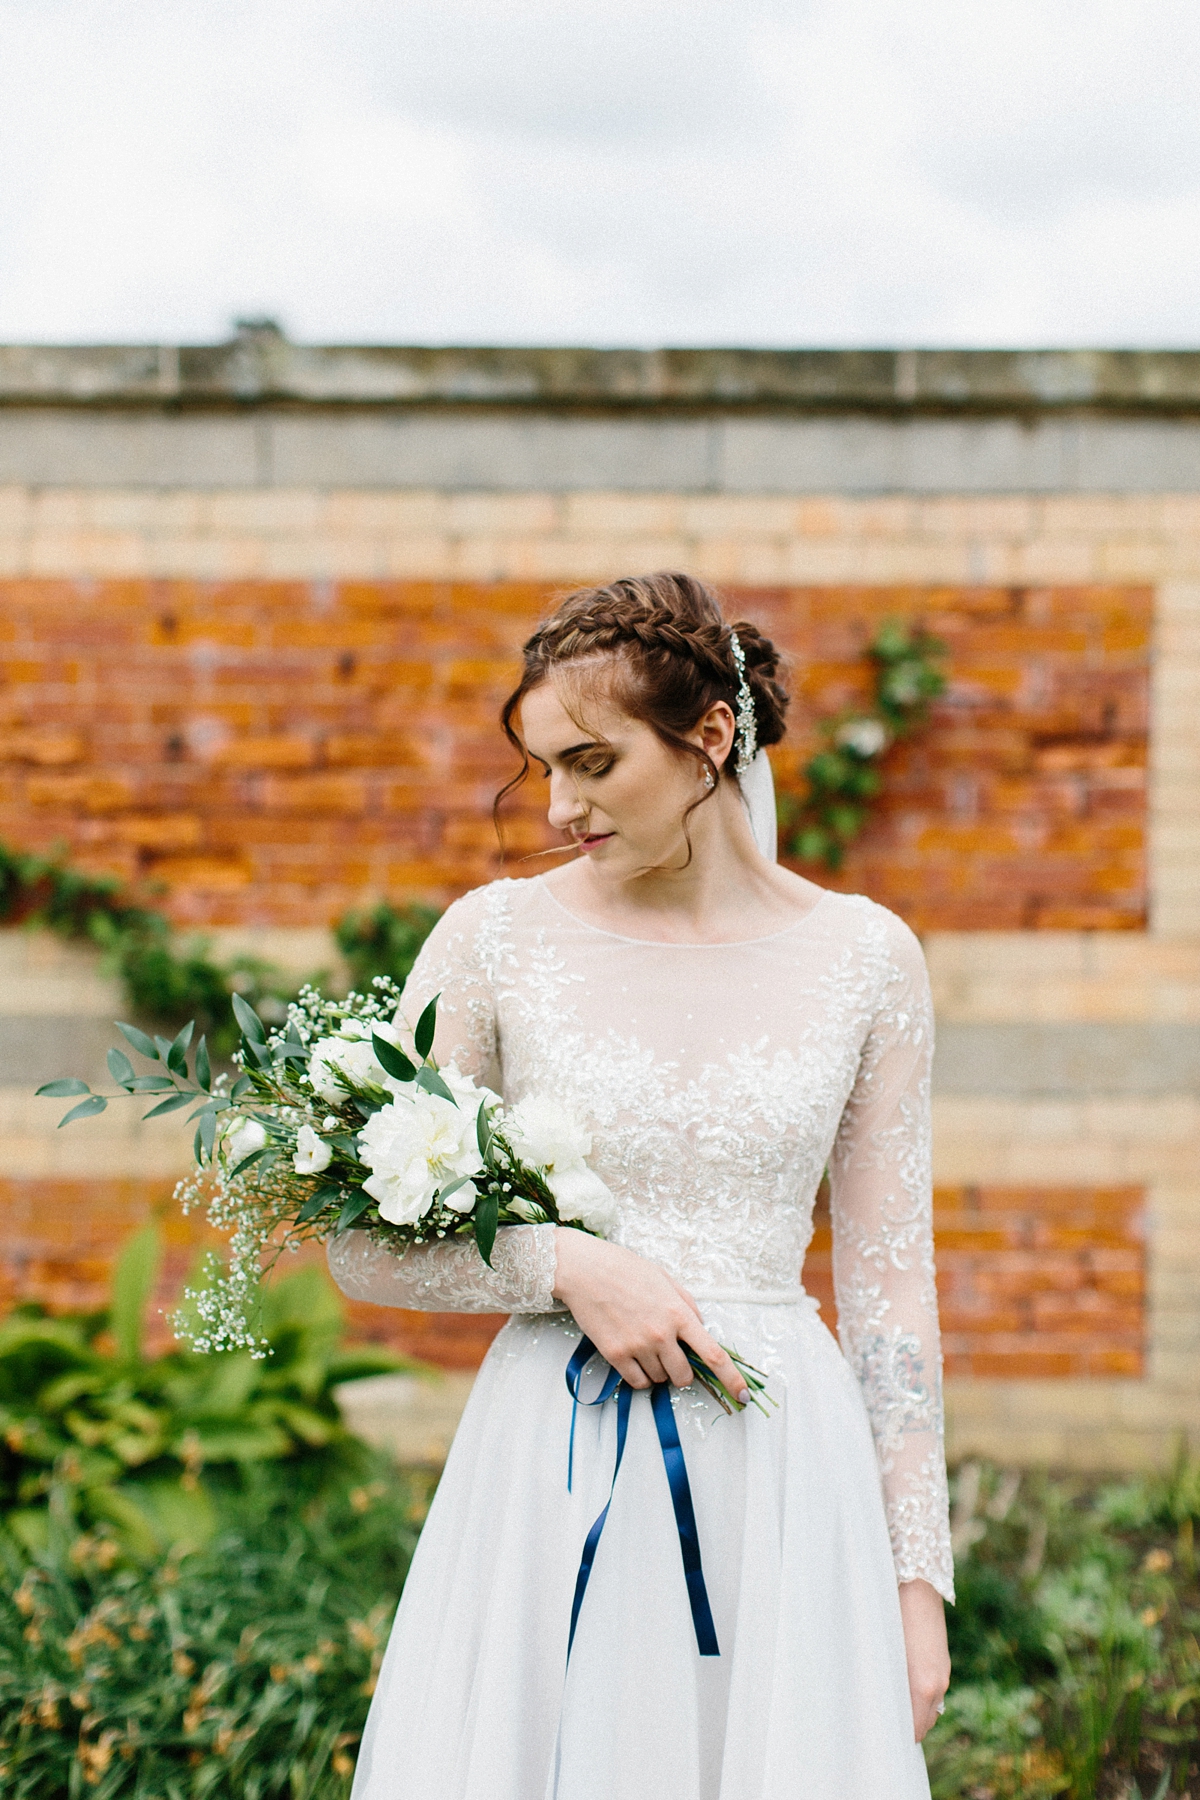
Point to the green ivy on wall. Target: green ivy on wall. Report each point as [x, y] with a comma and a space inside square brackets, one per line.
[166, 980]
[844, 778]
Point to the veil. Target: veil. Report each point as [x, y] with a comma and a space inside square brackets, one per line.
[758, 795]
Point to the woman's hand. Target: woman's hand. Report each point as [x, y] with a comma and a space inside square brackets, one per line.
[635, 1314]
[924, 1615]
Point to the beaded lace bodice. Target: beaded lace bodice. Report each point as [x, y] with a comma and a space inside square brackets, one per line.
[719, 1082]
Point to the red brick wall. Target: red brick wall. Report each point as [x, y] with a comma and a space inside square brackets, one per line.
[272, 752]
[1032, 1281]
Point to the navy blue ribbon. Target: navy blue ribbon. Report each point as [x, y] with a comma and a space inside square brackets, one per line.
[677, 1481]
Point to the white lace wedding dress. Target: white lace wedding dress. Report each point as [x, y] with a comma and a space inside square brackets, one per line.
[719, 1082]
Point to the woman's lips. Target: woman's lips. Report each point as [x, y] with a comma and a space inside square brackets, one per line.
[594, 839]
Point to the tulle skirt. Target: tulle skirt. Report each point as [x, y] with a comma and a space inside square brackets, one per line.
[808, 1699]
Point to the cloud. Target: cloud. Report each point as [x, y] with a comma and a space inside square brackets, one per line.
[628, 171]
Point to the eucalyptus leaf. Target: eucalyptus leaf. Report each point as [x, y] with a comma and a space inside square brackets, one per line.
[241, 1087]
[203, 1066]
[120, 1068]
[60, 1090]
[316, 1203]
[168, 1106]
[426, 1027]
[452, 1187]
[177, 1054]
[354, 1208]
[151, 1084]
[164, 1047]
[208, 1131]
[87, 1109]
[487, 1216]
[142, 1044]
[429, 1079]
[249, 1161]
[391, 1059]
[252, 1026]
[483, 1130]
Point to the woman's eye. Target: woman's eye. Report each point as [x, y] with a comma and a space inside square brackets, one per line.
[592, 771]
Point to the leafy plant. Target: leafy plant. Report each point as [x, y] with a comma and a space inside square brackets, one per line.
[1074, 1643]
[144, 1445]
[383, 940]
[843, 778]
[241, 1670]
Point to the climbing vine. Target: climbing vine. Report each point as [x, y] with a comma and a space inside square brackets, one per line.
[166, 980]
[844, 777]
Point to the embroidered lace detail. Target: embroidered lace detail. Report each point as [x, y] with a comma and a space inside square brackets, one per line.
[719, 1082]
[451, 1277]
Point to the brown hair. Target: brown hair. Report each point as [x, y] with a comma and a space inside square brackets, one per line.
[667, 647]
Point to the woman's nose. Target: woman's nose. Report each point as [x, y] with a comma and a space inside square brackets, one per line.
[566, 807]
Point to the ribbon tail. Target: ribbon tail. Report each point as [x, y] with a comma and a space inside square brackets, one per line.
[685, 1518]
[624, 1396]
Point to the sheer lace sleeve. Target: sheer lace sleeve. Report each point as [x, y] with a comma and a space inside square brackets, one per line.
[882, 1206]
[458, 961]
[451, 1277]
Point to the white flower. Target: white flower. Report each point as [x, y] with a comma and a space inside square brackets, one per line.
[350, 1053]
[467, 1093]
[547, 1135]
[866, 737]
[414, 1146]
[312, 1153]
[580, 1194]
[243, 1139]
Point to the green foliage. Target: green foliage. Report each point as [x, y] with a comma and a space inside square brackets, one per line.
[146, 1446]
[843, 778]
[381, 940]
[1077, 1668]
[168, 980]
[241, 1670]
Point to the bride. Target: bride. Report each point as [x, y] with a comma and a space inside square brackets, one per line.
[728, 1031]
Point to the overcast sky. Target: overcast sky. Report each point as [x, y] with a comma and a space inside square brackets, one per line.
[602, 171]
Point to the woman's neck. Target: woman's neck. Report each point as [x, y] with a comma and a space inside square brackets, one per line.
[726, 892]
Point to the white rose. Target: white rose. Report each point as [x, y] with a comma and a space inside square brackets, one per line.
[413, 1147]
[547, 1135]
[866, 737]
[350, 1053]
[242, 1140]
[580, 1194]
[312, 1153]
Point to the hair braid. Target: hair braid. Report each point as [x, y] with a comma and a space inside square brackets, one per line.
[667, 645]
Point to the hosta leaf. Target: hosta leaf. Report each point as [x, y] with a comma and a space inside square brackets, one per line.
[121, 1069]
[391, 1059]
[142, 1044]
[61, 1090]
[252, 1026]
[87, 1109]
[426, 1027]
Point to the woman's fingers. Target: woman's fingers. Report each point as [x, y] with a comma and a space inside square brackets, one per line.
[684, 1295]
[718, 1360]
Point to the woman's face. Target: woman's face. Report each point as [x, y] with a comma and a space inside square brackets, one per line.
[614, 786]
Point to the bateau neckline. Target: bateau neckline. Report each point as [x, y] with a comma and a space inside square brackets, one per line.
[667, 944]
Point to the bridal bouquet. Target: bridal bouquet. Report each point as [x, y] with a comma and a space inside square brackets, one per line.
[342, 1118]
[337, 1119]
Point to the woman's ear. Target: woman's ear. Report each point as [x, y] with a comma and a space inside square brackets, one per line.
[715, 731]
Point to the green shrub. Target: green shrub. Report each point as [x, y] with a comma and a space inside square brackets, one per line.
[145, 1444]
[242, 1670]
[380, 940]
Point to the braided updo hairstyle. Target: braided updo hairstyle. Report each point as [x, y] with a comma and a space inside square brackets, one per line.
[662, 647]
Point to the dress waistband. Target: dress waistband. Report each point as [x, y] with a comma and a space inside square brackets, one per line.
[731, 1296]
